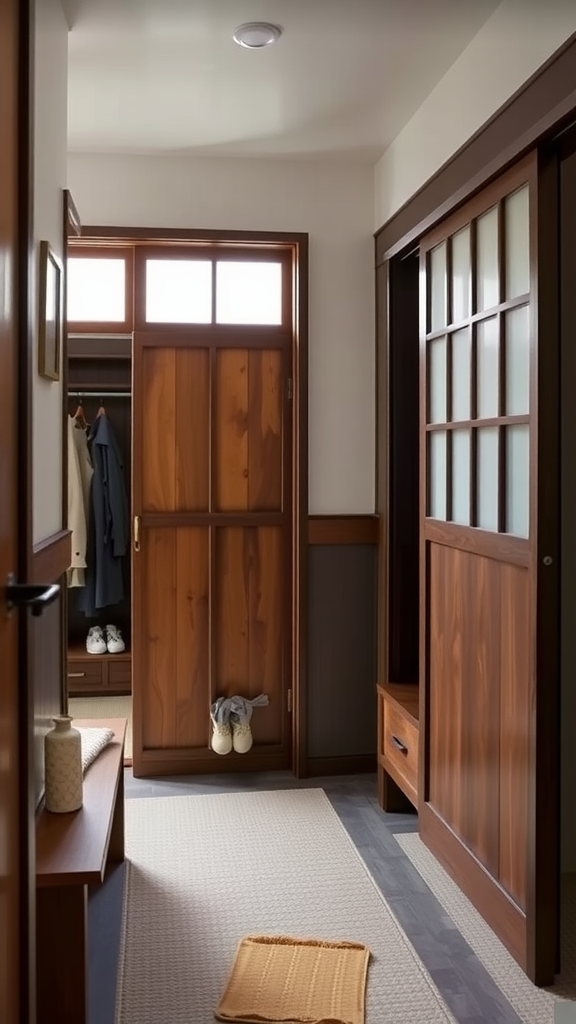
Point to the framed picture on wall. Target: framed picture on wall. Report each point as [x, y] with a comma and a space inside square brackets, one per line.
[49, 314]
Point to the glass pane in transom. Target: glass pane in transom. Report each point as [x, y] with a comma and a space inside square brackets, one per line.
[178, 291]
[248, 293]
[96, 290]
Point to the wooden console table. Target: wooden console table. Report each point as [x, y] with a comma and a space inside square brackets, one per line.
[72, 852]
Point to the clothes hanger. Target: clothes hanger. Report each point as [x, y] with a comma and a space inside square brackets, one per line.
[79, 417]
[101, 410]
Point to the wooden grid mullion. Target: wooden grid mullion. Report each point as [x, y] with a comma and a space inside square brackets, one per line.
[449, 471]
[502, 473]
[473, 476]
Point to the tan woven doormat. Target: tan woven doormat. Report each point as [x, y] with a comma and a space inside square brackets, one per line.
[301, 981]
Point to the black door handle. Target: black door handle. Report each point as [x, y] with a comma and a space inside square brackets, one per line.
[37, 596]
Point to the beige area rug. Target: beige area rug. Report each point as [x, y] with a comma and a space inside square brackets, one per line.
[534, 1005]
[105, 707]
[204, 872]
[282, 978]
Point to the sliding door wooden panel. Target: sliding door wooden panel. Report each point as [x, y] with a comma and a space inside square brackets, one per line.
[516, 696]
[231, 431]
[488, 531]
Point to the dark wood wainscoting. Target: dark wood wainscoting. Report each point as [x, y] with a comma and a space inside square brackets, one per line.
[342, 575]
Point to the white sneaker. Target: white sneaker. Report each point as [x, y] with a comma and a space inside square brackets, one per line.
[95, 642]
[114, 641]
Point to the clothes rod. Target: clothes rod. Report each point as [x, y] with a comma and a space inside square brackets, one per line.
[99, 394]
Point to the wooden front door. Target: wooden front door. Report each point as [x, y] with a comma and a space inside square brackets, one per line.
[15, 869]
[212, 569]
[489, 562]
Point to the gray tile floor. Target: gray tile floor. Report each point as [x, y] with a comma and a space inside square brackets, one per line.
[463, 982]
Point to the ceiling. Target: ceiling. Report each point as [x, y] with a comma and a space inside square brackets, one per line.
[346, 75]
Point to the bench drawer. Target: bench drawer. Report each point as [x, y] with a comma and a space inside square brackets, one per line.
[85, 674]
[400, 747]
[120, 673]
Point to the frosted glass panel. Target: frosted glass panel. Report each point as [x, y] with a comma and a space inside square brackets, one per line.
[437, 380]
[487, 355]
[517, 480]
[178, 291]
[487, 477]
[438, 287]
[461, 476]
[517, 243]
[461, 374]
[96, 290]
[461, 275]
[248, 293]
[437, 474]
[487, 260]
[518, 361]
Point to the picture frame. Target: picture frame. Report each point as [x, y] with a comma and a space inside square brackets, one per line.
[49, 314]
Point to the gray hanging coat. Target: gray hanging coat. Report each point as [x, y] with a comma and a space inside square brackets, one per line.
[108, 527]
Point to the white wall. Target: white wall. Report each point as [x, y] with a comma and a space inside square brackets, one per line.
[334, 204]
[51, 77]
[515, 41]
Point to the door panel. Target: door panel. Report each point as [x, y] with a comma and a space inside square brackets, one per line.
[486, 677]
[174, 680]
[249, 616]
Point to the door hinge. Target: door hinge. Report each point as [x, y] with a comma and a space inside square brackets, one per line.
[289, 701]
[289, 389]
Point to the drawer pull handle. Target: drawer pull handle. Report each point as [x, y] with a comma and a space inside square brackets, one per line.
[399, 745]
[76, 675]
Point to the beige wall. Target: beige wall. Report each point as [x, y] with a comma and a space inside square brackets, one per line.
[50, 118]
[515, 41]
[331, 201]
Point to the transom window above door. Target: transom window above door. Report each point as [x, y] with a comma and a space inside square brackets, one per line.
[115, 289]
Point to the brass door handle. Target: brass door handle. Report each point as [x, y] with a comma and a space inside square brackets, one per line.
[136, 533]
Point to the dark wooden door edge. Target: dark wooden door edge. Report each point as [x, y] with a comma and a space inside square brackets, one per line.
[350, 764]
[363, 529]
[494, 904]
[539, 109]
[51, 557]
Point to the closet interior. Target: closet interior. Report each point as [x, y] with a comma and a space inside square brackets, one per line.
[99, 382]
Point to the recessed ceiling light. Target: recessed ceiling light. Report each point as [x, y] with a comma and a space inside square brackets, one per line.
[256, 34]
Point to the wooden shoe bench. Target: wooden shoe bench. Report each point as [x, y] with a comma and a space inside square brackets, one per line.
[73, 852]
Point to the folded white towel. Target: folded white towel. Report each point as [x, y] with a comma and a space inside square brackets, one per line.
[92, 742]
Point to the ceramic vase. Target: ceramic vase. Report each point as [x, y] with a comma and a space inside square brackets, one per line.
[63, 763]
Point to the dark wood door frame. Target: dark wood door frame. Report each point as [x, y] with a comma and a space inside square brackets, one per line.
[297, 242]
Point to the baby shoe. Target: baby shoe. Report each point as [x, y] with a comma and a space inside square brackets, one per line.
[221, 742]
[114, 641]
[95, 642]
[241, 734]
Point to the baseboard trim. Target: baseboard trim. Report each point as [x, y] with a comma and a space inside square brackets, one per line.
[343, 529]
[350, 764]
[51, 557]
